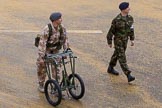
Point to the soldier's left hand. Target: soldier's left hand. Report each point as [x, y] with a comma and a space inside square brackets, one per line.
[132, 43]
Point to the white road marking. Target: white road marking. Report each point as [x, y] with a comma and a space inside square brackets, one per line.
[36, 31]
[84, 31]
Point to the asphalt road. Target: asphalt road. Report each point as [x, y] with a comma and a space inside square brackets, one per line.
[21, 20]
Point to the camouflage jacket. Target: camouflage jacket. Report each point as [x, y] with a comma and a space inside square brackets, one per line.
[54, 38]
[121, 28]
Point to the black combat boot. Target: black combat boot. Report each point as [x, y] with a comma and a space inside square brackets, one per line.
[130, 78]
[112, 71]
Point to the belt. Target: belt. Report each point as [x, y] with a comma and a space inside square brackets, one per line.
[121, 37]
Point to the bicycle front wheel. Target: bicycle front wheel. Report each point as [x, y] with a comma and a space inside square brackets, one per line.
[76, 84]
[53, 92]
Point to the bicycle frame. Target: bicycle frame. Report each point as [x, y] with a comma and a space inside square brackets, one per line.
[51, 60]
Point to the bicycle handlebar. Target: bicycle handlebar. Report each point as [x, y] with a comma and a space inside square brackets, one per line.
[59, 55]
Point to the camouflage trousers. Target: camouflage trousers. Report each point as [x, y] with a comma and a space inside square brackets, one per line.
[119, 54]
[41, 71]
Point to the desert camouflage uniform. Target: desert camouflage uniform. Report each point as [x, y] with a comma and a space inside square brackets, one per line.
[42, 49]
[122, 29]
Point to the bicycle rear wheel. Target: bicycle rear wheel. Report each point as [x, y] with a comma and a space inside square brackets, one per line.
[53, 92]
[77, 88]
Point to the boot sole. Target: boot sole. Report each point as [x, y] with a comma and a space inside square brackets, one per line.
[113, 73]
[131, 80]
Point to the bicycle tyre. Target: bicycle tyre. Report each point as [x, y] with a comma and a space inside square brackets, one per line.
[82, 89]
[54, 90]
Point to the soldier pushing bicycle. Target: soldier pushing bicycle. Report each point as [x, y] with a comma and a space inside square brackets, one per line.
[51, 40]
[51, 63]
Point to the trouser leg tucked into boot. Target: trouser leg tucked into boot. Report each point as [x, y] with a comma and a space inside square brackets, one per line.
[129, 76]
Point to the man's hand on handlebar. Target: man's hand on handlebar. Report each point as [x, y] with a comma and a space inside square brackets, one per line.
[66, 50]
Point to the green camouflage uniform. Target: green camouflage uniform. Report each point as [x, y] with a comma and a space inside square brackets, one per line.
[122, 30]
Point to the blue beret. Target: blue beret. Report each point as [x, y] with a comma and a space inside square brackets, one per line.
[55, 16]
[123, 5]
